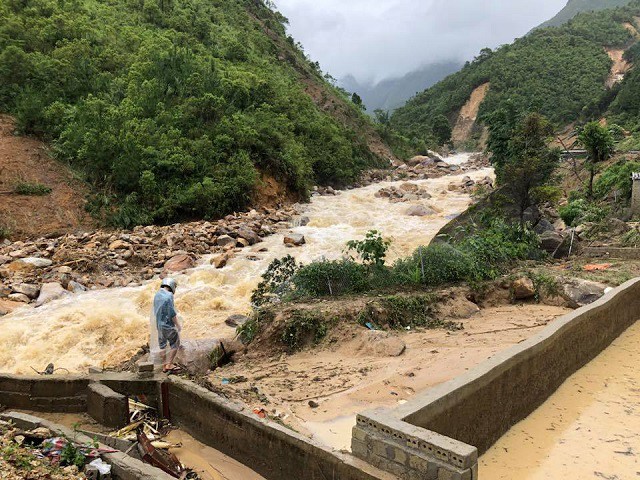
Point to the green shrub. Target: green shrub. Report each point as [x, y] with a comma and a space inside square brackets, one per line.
[324, 278]
[33, 189]
[372, 250]
[434, 265]
[275, 281]
[497, 247]
[580, 211]
[616, 178]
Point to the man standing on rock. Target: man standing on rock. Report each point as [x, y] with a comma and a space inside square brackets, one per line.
[166, 320]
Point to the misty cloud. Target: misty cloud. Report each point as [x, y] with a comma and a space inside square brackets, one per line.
[377, 39]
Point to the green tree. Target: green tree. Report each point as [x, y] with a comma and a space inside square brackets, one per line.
[441, 129]
[357, 101]
[523, 161]
[599, 143]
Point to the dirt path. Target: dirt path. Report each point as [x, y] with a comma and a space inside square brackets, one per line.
[468, 115]
[345, 376]
[24, 159]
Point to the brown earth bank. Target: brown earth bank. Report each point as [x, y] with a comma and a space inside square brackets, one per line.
[25, 160]
[354, 354]
[319, 390]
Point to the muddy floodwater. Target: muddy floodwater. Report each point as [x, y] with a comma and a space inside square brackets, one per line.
[589, 429]
[106, 327]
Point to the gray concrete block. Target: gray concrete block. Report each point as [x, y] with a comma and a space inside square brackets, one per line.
[106, 406]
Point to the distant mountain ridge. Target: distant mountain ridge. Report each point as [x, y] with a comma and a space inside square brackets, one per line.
[570, 73]
[574, 7]
[392, 93]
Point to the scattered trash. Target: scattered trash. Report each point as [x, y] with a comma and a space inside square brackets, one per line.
[597, 267]
[260, 412]
[225, 381]
[370, 326]
[49, 370]
[101, 466]
[165, 461]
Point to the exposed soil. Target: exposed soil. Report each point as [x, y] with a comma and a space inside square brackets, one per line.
[25, 159]
[619, 68]
[467, 118]
[319, 391]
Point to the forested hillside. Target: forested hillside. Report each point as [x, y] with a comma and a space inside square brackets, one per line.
[574, 7]
[560, 72]
[172, 109]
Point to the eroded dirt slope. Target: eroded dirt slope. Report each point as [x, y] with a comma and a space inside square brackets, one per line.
[24, 159]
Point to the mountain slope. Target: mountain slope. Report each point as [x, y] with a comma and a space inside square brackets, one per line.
[392, 93]
[176, 109]
[561, 72]
[574, 7]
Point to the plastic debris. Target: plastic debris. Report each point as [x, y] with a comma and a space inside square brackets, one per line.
[597, 267]
[101, 466]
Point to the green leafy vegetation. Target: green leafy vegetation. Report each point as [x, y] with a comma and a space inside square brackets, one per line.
[303, 328]
[616, 181]
[34, 189]
[598, 141]
[559, 72]
[400, 312]
[174, 109]
[331, 278]
[275, 280]
[574, 7]
[483, 253]
[372, 250]
[580, 211]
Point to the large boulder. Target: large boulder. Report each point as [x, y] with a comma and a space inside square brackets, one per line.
[19, 297]
[249, 235]
[294, 239]
[579, 293]
[420, 211]
[375, 343]
[27, 289]
[225, 241]
[523, 288]
[178, 263]
[417, 160]
[550, 241]
[543, 226]
[237, 320]
[50, 292]
[220, 261]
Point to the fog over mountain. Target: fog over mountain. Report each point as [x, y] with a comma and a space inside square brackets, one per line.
[373, 40]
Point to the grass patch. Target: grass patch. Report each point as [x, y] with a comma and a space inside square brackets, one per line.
[304, 328]
[32, 189]
[400, 312]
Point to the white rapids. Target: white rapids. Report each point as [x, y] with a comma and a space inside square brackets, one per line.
[106, 327]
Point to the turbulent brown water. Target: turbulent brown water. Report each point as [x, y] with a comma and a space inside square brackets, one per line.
[106, 327]
[589, 429]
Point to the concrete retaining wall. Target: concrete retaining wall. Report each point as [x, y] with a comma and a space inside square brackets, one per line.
[45, 393]
[275, 452]
[481, 406]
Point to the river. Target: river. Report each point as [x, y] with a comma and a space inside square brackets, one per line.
[106, 327]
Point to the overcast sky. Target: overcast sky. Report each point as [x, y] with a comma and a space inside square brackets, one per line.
[377, 39]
